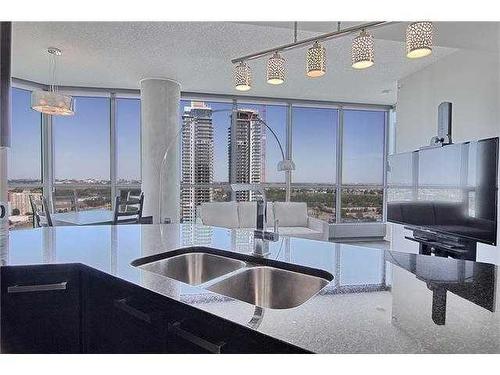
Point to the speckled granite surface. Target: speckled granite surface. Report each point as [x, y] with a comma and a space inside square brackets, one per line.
[378, 302]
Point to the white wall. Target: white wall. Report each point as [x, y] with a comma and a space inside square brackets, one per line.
[468, 79]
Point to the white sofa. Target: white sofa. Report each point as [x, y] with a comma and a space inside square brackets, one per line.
[292, 218]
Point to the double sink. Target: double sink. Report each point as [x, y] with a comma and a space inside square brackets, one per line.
[258, 281]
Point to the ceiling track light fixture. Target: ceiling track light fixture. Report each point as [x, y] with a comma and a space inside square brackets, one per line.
[242, 77]
[363, 51]
[52, 102]
[276, 69]
[419, 39]
[316, 61]
[418, 44]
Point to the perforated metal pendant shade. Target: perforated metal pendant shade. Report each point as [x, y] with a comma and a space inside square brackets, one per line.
[419, 40]
[316, 61]
[363, 54]
[276, 69]
[242, 77]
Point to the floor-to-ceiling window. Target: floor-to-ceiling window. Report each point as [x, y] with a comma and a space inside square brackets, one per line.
[363, 165]
[314, 150]
[338, 152]
[25, 159]
[82, 156]
[128, 146]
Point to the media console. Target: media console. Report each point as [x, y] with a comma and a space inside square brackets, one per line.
[443, 245]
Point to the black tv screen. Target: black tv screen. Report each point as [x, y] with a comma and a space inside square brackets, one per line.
[450, 189]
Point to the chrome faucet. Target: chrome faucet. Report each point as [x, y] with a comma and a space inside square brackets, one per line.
[261, 226]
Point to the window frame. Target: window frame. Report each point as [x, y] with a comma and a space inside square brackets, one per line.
[47, 176]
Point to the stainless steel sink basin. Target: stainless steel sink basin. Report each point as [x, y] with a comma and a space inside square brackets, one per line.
[270, 287]
[194, 268]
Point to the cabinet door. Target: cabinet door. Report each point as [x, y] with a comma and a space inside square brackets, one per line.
[120, 318]
[40, 309]
[194, 331]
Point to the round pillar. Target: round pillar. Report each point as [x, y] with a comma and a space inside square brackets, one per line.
[160, 98]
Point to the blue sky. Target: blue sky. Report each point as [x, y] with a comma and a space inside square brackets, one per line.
[82, 141]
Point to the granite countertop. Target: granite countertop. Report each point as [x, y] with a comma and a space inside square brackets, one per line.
[378, 302]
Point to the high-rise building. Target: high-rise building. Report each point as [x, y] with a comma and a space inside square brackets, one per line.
[21, 202]
[197, 158]
[245, 152]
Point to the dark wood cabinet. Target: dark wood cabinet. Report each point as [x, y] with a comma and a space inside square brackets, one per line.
[75, 308]
[119, 317]
[40, 309]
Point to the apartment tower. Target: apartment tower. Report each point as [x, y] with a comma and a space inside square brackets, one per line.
[245, 152]
[197, 158]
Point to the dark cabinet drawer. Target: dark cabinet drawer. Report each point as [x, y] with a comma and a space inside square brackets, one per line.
[40, 309]
[120, 318]
[194, 331]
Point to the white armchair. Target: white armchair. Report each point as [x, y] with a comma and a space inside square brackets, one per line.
[292, 218]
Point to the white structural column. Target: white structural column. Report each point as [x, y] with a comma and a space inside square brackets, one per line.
[159, 132]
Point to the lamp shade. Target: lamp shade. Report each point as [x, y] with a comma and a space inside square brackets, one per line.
[418, 40]
[363, 55]
[286, 165]
[316, 61]
[52, 103]
[242, 77]
[276, 69]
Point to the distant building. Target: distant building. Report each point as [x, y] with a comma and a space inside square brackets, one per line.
[197, 158]
[249, 142]
[20, 200]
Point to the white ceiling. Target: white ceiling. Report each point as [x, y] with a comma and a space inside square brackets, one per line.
[198, 54]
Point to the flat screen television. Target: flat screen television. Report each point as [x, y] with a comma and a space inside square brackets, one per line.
[450, 189]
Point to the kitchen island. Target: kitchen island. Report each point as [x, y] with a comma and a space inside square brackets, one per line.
[377, 302]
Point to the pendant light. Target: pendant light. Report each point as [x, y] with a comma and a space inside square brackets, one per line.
[419, 40]
[363, 51]
[242, 77]
[316, 60]
[52, 102]
[276, 69]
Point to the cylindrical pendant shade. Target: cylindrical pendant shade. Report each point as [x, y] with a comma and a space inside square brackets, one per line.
[52, 103]
[316, 61]
[419, 40]
[276, 69]
[242, 77]
[363, 55]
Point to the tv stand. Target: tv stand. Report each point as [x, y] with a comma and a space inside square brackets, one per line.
[443, 245]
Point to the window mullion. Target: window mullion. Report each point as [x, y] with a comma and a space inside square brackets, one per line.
[112, 147]
[338, 186]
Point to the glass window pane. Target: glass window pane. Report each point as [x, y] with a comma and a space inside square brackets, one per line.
[81, 143]
[276, 194]
[88, 198]
[128, 141]
[203, 154]
[314, 145]
[20, 212]
[320, 201]
[363, 147]
[275, 117]
[362, 204]
[25, 157]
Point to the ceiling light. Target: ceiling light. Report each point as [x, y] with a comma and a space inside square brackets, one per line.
[362, 51]
[419, 40]
[316, 60]
[276, 69]
[242, 77]
[52, 102]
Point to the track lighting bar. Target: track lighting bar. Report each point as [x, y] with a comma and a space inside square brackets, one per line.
[309, 41]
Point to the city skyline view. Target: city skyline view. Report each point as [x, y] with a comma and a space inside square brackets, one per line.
[87, 134]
